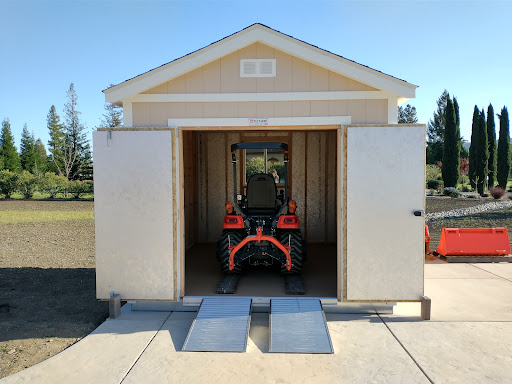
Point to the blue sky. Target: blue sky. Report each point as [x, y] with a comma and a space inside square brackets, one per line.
[461, 46]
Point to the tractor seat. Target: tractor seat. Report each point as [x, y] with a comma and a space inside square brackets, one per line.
[261, 193]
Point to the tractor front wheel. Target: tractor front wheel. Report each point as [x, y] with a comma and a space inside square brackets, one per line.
[294, 239]
[229, 237]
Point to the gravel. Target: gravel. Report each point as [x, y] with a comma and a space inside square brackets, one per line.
[492, 206]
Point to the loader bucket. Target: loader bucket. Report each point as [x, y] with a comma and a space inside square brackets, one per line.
[474, 241]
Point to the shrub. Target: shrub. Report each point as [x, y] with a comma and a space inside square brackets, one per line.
[53, 184]
[452, 192]
[433, 171]
[466, 188]
[26, 184]
[497, 192]
[435, 184]
[8, 182]
[77, 188]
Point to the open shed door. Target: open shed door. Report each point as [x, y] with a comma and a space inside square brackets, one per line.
[385, 185]
[134, 214]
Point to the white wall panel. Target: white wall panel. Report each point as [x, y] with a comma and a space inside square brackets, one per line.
[133, 205]
[385, 184]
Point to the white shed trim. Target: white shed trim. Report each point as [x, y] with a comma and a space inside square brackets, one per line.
[280, 96]
[270, 37]
[272, 121]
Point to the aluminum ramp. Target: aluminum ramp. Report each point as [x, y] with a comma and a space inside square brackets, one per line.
[297, 325]
[221, 325]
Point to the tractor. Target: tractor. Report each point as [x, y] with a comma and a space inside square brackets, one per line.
[261, 228]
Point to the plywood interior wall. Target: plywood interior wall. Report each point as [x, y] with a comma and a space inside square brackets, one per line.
[209, 181]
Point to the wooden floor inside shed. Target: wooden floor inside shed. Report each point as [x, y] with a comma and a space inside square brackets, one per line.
[202, 274]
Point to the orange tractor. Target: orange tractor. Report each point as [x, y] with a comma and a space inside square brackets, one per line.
[261, 227]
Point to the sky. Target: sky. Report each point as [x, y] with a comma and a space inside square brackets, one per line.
[462, 46]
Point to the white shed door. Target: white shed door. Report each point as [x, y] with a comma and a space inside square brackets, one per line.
[385, 185]
[133, 209]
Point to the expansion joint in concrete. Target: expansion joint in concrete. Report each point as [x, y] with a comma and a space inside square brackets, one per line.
[144, 349]
[406, 351]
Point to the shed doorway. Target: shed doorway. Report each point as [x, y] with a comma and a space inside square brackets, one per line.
[208, 184]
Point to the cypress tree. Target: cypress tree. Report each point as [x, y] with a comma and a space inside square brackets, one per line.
[473, 149]
[8, 152]
[27, 150]
[491, 144]
[451, 148]
[503, 163]
[457, 124]
[482, 155]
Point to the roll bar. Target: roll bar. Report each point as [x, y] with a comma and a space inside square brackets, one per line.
[260, 145]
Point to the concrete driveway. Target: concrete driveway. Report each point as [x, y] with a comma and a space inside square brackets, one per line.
[467, 340]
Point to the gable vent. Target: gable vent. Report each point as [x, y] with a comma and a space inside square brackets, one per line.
[258, 68]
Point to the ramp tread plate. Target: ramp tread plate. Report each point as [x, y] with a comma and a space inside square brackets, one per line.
[221, 325]
[297, 325]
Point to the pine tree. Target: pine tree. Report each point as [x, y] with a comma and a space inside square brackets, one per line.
[113, 117]
[407, 115]
[473, 148]
[482, 155]
[491, 144]
[27, 150]
[40, 159]
[77, 150]
[8, 152]
[451, 147]
[435, 131]
[56, 142]
[503, 163]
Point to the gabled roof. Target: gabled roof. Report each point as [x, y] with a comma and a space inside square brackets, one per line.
[252, 34]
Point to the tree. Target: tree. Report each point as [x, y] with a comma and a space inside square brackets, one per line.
[113, 117]
[56, 142]
[8, 152]
[503, 163]
[27, 150]
[472, 148]
[482, 155]
[407, 115]
[40, 159]
[435, 131]
[491, 144]
[451, 147]
[77, 151]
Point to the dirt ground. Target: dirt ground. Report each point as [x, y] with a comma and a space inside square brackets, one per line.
[47, 284]
[47, 278]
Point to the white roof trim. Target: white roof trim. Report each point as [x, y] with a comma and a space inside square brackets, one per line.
[265, 35]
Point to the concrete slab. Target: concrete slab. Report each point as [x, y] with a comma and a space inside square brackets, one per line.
[105, 356]
[365, 351]
[470, 299]
[459, 352]
[500, 269]
[455, 271]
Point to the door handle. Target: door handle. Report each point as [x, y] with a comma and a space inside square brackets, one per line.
[419, 213]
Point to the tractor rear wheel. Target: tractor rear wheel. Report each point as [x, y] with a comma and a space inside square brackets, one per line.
[294, 239]
[229, 237]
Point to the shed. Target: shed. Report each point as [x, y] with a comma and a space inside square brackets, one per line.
[357, 176]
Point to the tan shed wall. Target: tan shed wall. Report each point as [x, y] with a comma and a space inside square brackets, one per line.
[312, 172]
[292, 75]
[361, 111]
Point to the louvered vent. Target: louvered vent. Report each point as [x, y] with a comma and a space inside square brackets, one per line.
[258, 68]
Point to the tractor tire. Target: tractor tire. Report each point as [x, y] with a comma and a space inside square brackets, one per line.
[293, 237]
[229, 236]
